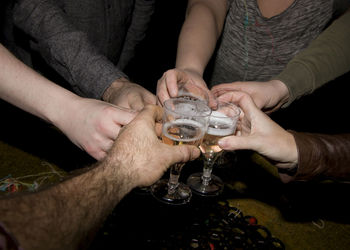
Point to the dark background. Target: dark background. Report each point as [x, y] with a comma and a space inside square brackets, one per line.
[157, 53]
[324, 111]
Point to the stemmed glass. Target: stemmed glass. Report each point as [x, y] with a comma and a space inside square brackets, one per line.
[222, 122]
[184, 122]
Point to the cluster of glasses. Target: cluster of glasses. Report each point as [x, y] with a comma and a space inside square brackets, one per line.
[188, 119]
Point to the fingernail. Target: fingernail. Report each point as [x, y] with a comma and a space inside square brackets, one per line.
[221, 143]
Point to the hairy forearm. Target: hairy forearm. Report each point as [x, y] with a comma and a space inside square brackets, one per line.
[66, 215]
[26, 89]
[199, 34]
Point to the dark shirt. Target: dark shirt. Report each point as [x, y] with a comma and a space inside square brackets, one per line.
[88, 42]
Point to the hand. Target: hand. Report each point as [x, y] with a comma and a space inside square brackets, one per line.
[140, 151]
[260, 133]
[167, 85]
[268, 96]
[129, 95]
[93, 125]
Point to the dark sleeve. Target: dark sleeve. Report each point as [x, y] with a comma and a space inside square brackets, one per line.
[326, 58]
[7, 240]
[136, 33]
[65, 48]
[322, 155]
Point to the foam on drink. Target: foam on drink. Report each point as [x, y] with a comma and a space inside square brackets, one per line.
[220, 126]
[183, 131]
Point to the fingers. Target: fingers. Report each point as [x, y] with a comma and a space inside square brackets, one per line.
[149, 98]
[139, 99]
[162, 92]
[122, 116]
[183, 153]
[235, 143]
[172, 78]
[220, 89]
[150, 114]
[99, 149]
[243, 100]
[158, 128]
[212, 100]
[99, 155]
[103, 149]
[167, 86]
[136, 102]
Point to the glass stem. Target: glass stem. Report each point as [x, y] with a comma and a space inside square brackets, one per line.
[173, 182]
[207, 169]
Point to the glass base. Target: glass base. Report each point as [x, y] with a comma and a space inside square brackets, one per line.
[182, 194]
[214, 188]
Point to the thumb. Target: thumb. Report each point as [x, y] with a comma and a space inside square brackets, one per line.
[183, 153]
[149, 98]
[171, 81]
[123, 117]
[243, 100]
[236, 143]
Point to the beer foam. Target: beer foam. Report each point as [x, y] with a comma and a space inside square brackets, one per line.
[184, 122]
[191, 107]
[217, 120]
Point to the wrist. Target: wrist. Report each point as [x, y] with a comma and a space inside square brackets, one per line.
[119, 171]
[282, 92]
[65, 112]
[62, 106]
[289, 167]
[191, 69]
[115, 86]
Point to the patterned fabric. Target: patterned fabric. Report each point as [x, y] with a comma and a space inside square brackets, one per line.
[86, 42]
[257, 48]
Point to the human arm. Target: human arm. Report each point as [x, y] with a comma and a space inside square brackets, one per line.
[259, 133]
[90, 124]
[65, 48]
[65, 215]
[298, 156]
[129, 95]
[326, 58]
[268, 96]
[141, 17]
[197, 41]
[321, 155]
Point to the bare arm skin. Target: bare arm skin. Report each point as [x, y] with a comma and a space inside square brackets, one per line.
[297, 155]
[197, 41]
[259, 133]
[91, 124]
[67, 215]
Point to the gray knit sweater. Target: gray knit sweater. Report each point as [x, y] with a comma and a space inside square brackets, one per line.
[255, 48]
[88, 42]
